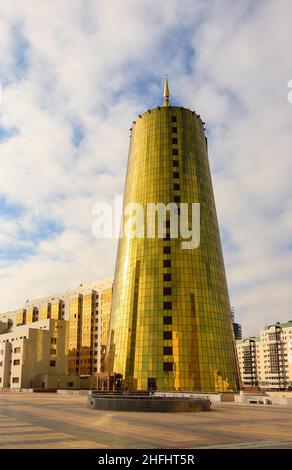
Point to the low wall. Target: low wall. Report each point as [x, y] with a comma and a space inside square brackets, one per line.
[281, 400]
[281, 394]
[148, 404]
[213, 397]
[73, 392]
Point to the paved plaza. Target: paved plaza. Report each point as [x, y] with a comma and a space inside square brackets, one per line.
[33, 421]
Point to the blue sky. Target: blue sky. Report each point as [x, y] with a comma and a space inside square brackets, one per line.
[75, 74]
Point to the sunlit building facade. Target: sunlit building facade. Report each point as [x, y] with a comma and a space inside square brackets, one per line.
[34, 354]
[106, 303]
[84, 314]
[265, 361]
[170, 326]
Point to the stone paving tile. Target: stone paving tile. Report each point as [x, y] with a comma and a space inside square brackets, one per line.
[45, 419]
[32, 437]
[56, 445]
[151, 431]
[24, 429]
[85, 445]
[11, 422]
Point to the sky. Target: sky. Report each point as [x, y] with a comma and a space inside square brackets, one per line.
[74, 76]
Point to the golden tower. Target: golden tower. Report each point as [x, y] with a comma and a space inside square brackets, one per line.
[170, 325]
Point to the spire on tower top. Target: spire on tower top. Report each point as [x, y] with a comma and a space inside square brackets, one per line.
[166, 92]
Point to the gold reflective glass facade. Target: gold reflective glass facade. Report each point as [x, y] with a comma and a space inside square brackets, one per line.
[86, 351]
[20, 317]
[75, 309]
[170, 323]
[32, 315]
[106, 301]
[45, 311]
[29, 316]
[55, 310]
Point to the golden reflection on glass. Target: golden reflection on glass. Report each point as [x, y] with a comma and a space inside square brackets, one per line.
[106, 302]
[29, 315]
[44, 311]
[55, 310]
[170, 321]
[86, 343]
[75, 308]
[20, 317]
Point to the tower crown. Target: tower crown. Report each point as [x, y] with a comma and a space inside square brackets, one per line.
[166, 93]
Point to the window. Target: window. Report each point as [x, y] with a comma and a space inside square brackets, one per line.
[173, 118]
[16, 362]
[53, 340]
[167, 305]
[176, 174]
[167, 277]
[167, 223]
[176, 186]
[167, 366]
[166, 250]
[167, 320]
[15, 380]
[52, 363]
[17, 350]
[167, 335]
[174, 151]
[167, 291]
[1, 363]
[167, 263]
[167, 350]
[174, 140]
[176, 198]
[53, 351]
[175, 162]
[174, 129]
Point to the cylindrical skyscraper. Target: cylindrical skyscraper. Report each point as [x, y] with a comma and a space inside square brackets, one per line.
[170, 326]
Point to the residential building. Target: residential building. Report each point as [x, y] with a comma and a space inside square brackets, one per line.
[30, 352]
[83, 346]
[266, 361]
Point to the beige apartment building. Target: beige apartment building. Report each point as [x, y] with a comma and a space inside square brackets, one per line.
[266, 361]
[31, 355]
[28, 353]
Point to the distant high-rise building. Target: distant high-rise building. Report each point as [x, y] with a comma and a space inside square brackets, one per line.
[170, 326]
[237, 329]
[266, 360]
